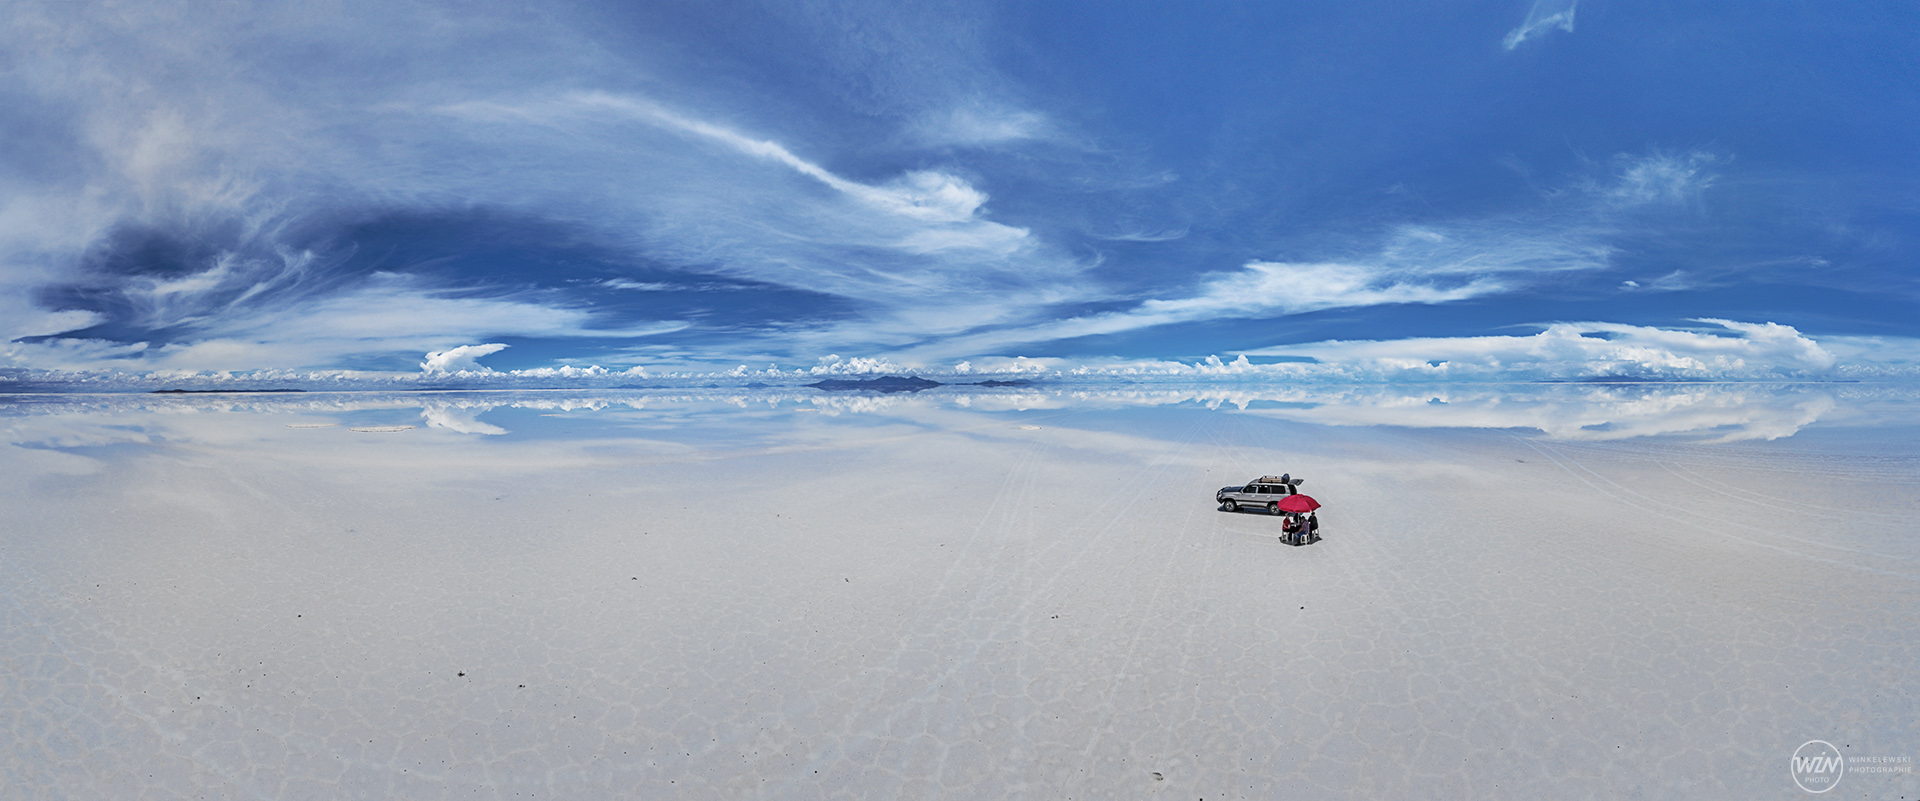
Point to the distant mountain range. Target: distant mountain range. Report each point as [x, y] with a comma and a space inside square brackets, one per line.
[895, 383]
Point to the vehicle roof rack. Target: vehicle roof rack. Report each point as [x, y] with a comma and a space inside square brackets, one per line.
[1284, 478]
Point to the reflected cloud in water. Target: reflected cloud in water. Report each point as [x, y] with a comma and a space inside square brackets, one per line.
[464, 420]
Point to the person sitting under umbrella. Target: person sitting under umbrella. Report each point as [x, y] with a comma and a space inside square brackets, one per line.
[1295, 506]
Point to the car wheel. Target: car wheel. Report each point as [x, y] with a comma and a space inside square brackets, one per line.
[1274, 507]
[1231, 506]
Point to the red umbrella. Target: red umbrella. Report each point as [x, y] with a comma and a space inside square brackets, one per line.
[1298, 503]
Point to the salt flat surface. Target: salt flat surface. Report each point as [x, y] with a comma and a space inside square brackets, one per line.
[966, 596]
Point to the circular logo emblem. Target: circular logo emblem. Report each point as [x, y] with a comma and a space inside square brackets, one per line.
[1818, 766]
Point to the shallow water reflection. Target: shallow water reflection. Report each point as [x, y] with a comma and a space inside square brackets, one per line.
[1578, 412]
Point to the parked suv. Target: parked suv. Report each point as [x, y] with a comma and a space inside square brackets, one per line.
[1264, 492]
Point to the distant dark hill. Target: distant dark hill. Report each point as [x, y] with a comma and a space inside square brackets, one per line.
[1613, 379]
[885, 383]
[999, 383]
[216, 391]
[1627, 379]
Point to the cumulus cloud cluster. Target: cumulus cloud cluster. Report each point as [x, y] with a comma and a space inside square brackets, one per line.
[1720, 350]
[1738, 351]
[461, 359]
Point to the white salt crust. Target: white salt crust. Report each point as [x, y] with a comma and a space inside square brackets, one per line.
[941, 603]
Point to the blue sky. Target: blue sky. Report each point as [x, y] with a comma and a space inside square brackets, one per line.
[1494, 188]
